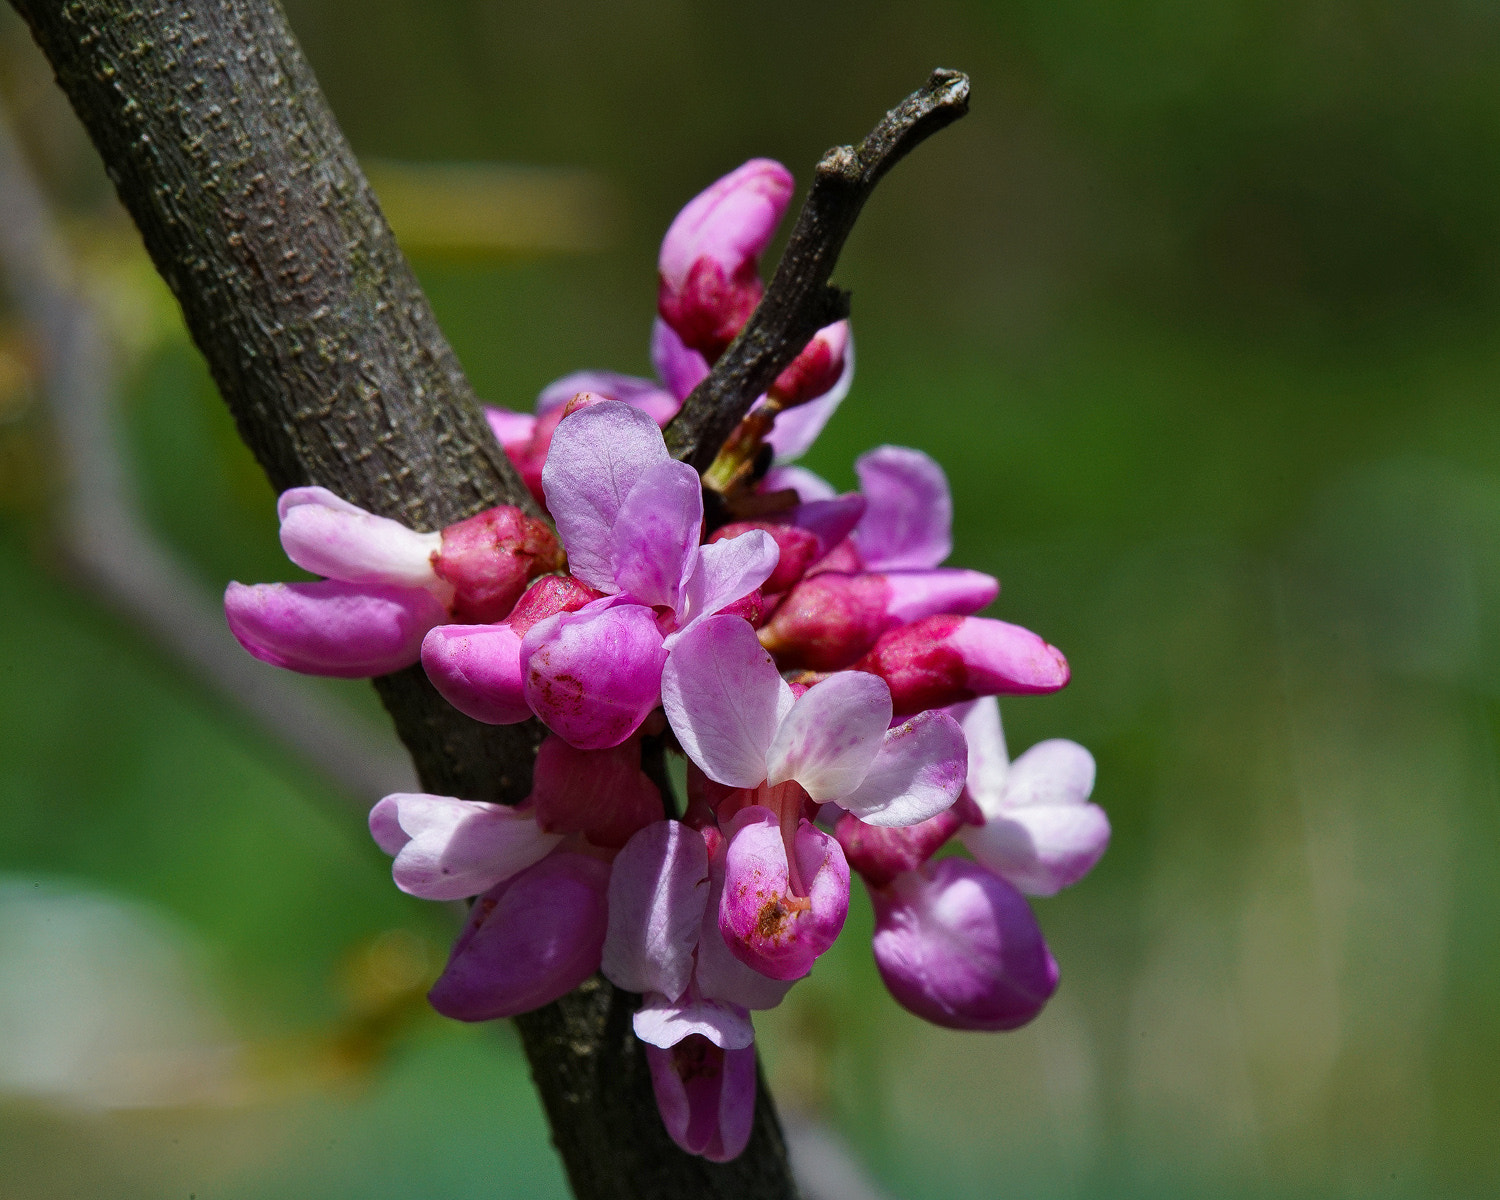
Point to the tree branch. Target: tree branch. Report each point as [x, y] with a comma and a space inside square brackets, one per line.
[799, 300]
[254, 210]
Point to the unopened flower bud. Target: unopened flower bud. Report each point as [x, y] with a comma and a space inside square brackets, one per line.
[799, 549]
[709, 263]
[602, 794]
[830, 619]
[490, 558]
[814, 371]
[881, 852]
[942, 660]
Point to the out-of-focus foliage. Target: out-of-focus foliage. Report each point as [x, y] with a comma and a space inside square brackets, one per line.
[1198, 309]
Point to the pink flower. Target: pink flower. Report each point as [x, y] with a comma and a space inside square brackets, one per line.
[786, 893]
[387, 585]
[1039, 833]
[536, 930]
[630, 518]
[664, 942]
[959, 946]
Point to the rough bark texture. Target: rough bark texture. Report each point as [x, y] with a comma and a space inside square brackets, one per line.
[799, 300]
[253, 208]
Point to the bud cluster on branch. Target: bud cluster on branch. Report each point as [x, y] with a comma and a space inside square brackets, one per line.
[821, 670]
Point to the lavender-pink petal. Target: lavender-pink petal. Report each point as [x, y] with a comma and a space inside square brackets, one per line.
[358, 547]
[658, 894]
[645, 394]
[454, 848]
[680, 367]
[725, 700]
[908, 524]
[918, 773]
[721, 573]
[597, 455]
[831, 736]
[477, 669]
[706, 1096]
[830, 520]
[594, 675]
[654, 542]
[527, 941]
[917, 594]
[730, 221]
[795, 430]
[721, 975]
[510, 428]
[662, 1022]
[959, 946]
[805, 483]
[352, 631]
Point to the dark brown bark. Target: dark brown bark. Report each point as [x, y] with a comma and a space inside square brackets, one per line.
[799, 300]
[254, 210]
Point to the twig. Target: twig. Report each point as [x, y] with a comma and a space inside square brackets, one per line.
[799, 300]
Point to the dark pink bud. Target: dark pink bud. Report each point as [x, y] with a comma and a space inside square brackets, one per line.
[827, 621]
[548, 596]
[880, 853]
[711, 306]
[799, 549]
[602, 794]
[490, 558]
[706, 1095]
[816, 369]
[943, 660]
[752, 608]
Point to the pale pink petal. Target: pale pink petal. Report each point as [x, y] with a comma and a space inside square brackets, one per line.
[988, 762]
[908, 524]
[654, 543]
[1041, 848]
[917, 594]
[597, 455]
[832, 735]
[958, 946]
[658, 894]
[528, 941]
[645, 394]
[807, 485]
[1056, 771]
[320, 496]
[662, 1022]
[798, 428]
[510, 428]
[768, 924]
[680, 367]
[358, 547]
[918, 773]
[352, 631]
[723, 572]
[725, 700]
[594, 675]
[706, 1096]
[455, 848]
[730, 221]
[477, 669]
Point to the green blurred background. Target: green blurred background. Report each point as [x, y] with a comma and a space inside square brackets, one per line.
[1198, 307]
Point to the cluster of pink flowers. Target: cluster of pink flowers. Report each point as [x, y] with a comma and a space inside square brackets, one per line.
[821, 670]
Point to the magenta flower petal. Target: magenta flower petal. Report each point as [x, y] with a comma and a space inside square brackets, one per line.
[351, 631]
[988, 761]
[477, 669]
[706, 1096]
[958, 946]
[724, 699]
[830, 520]
[909, 522]
[527, 941]
[602, 794]
[658, 894]
[662, 1022]
[358, 547]
[722, 573]
[729, 222]
[831, 737]
[594, 675]
[918, 594]
[722, 976]
[645, 394]
[880, 853]
[654, 542]
[511, 429]
[455, 848]
[681, 369]
[597, 455]
[796, 429]
[918, 773]
[765, 923]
